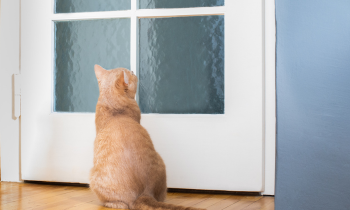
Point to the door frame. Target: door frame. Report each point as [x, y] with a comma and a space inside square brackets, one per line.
[270, 97]
[10, 61]
[269, 91]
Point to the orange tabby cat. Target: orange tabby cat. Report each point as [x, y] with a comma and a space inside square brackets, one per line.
[128, 173]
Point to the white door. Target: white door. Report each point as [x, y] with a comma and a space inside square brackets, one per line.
[201, 86]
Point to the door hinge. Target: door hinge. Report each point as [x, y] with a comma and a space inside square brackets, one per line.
[17, 95]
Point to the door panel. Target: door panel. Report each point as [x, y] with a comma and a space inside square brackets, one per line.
[217, 150]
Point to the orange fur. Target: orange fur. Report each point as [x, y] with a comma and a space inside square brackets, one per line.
[127, 172]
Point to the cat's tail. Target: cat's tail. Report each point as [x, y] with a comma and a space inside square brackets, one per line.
[145, 202]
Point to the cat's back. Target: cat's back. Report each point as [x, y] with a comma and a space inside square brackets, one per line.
[123, 132]
[126, 127]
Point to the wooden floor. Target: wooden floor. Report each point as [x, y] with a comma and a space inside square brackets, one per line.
[27, 196]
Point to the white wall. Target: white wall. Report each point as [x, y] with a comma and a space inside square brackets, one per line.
[9, 64]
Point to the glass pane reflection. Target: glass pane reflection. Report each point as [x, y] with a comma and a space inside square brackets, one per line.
[181, 66]
[79, 45]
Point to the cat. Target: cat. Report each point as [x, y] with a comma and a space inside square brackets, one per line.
[128, 173]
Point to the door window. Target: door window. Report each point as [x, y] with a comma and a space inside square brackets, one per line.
[179, 56]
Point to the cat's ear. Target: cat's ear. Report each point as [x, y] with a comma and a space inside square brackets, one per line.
[99, 71]
[123, 79]
[126, 78]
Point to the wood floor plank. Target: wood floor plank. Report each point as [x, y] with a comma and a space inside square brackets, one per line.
[257, 205]
[226, 202]
[14, 192]
[49, 193]
[252, 198]
[177, 196]
[183, 197]
[28, 196]
[94, 205]
[270, 206]
[195, 200]
[67, 199]
[209, 202]
[239, 205]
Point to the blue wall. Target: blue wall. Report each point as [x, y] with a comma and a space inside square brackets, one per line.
[313, 105]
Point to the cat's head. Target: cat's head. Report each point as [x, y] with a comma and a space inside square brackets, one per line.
[116, 83]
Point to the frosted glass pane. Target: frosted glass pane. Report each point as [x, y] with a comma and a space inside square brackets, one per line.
[152, 4]
[79, 45]
[68, 6]
[181, 67]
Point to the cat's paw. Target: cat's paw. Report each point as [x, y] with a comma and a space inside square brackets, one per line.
[116, 205]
